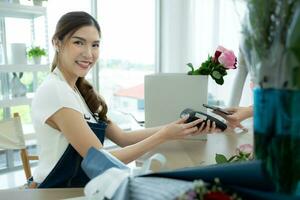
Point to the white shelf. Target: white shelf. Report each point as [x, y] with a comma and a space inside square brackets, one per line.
[18, 101]
[24, 68]
[21, 11]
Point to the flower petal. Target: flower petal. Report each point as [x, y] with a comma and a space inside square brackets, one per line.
[216, 57]
[246, 148]
[228, 59]
[221, 49]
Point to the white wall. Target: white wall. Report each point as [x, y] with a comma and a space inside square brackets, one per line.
[176, 35]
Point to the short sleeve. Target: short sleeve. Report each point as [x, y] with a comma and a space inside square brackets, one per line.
[51, 96]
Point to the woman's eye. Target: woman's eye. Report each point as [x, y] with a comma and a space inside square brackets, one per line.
[96, 45]
[78, 42]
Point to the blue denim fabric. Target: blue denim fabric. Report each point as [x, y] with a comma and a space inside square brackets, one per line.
[96, 162]
[68, 172]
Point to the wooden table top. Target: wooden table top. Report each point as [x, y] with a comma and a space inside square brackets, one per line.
[41, 194]
[190, 153]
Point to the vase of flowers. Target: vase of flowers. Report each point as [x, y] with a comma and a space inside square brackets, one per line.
[271, 46]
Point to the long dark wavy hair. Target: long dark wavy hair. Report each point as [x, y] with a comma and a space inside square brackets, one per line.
[67, 26]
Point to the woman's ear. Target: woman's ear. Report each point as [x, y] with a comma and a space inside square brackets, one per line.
[57, 45]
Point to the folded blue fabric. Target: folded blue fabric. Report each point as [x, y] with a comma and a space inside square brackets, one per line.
[96, 162]
[246, 174]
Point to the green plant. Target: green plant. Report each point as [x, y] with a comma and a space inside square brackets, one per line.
[243, 153]
[36, 52]
[220, 158]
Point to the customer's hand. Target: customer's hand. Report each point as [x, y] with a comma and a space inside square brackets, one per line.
[238, 114]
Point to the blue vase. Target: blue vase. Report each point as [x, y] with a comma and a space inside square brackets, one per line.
[277, 136]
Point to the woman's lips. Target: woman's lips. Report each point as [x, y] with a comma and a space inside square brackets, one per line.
[84, 64]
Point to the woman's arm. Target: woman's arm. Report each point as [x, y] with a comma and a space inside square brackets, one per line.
[72, 124]
[125, 138]
[174, 130]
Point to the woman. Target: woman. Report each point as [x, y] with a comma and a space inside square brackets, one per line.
[70, 117]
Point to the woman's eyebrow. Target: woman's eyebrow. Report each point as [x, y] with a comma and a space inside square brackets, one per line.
[80, 38]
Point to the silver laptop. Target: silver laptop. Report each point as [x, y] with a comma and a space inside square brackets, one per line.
[167, 94]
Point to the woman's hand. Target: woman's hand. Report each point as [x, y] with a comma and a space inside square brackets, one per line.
[179, 130]
[238, 114]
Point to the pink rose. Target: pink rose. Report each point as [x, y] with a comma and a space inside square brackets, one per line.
[228, 59]
[218, 52]
[221, 49]
[245, 148]
[225, 57]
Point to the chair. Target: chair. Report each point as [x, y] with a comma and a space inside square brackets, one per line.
[12, 138]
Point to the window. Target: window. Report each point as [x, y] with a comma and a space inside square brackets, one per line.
[1, 42]
[221, 21]
[127, 52]
[3, 162]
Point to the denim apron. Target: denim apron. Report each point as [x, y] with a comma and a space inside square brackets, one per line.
[68, 172]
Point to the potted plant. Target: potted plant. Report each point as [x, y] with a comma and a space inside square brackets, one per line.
[36, 53]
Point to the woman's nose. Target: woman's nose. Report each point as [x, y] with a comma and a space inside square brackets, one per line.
[87, 52]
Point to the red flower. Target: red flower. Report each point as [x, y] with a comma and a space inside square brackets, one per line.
[216, 196]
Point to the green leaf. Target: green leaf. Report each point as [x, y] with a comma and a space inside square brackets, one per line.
[231, 158]
[220, 81]
[207, 63]
[204, 71]
[224, 73]
[220, 159]
[247, 155]
[216, 75]
[190, 65]
[197, 72]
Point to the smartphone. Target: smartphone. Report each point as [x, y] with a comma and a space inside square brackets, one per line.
[215, 108]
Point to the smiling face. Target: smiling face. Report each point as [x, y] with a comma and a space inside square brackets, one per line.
[78, 53]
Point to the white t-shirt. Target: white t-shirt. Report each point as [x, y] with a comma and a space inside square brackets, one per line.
[53, 94]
